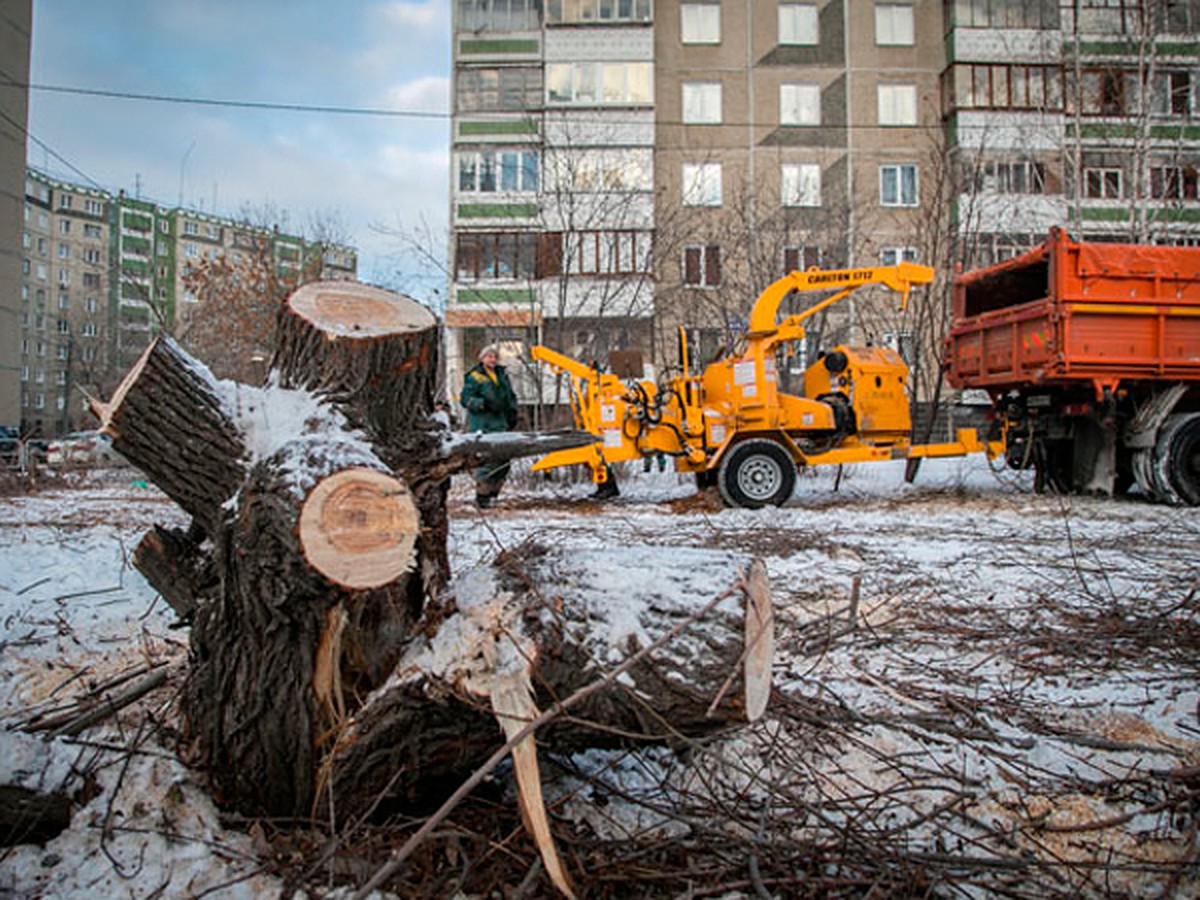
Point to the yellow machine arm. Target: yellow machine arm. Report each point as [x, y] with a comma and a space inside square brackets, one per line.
[901, 278]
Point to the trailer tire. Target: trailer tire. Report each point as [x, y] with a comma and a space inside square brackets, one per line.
[757, 473]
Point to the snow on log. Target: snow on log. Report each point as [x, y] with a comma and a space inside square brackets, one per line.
[168, 417]
[570, 617]
[370, 352]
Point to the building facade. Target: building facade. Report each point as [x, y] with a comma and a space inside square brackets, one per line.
[625, 167]
[101, 274]
[15, 32]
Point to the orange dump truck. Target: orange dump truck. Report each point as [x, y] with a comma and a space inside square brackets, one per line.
[1091, 356]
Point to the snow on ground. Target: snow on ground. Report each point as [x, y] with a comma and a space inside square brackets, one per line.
[1019, 682]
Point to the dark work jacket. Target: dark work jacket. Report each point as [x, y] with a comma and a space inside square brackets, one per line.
[490, 405]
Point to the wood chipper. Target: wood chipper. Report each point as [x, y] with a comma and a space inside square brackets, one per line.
[732, 426]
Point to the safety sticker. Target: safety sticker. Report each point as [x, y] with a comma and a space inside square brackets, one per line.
[608, 412]
[743, 372]
[612, 437]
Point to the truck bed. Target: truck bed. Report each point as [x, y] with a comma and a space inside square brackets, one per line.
[1070, 312]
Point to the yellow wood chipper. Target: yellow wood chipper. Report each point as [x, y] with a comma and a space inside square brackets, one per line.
[732, 426]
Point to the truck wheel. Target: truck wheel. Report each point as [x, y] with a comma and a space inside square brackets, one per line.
[1169, 472]
[757, 473]
[1177, 457]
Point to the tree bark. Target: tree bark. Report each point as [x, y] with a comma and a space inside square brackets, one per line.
[171, 418]
[371, 353]
[432, 723]
[318, 596]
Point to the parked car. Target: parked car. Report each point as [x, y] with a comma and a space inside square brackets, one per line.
[83, 448]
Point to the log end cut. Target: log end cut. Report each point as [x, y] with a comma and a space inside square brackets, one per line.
[359, 528]
[350, 309]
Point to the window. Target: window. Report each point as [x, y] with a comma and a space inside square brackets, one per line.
[798, 24]
[799, 104]
[64, 201]
[64, 251]
[702, 266]
[702, 184]
[88, 329]
[1172, 94]
[64, 302]
[64, 277]
[64, 226]
[893, 25]
[89, 354]
[1102, 93]
[1102, 183]
[42, 271]
[800, 184]
[499, 15]
[511, 87]
[91, 231]
[1173, 183]
[483, 256]
[487, 171]
[800, 258]
[91, 280]
[701, 103]
[898, 185]
[601, 169]
[24, 373]
[212, 232]
[700, 23]
[190, 250]
[1021, 177]
[892, 256]
[599, 252]
[39, 401]
[191, 228]
[90, 304]
[91, 255]
[93, 207]
[61, 352]
[897, 104]
[591, 83]
[602, 11]
[62, 326]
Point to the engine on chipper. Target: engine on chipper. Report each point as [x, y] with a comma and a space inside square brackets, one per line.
[731, 425]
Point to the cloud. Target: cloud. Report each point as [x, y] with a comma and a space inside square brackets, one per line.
[431, 15]
[430, 93]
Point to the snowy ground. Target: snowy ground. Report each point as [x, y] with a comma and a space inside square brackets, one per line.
[1012, 709]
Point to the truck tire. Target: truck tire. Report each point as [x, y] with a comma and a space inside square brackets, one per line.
[757, 473]
[1169, 472]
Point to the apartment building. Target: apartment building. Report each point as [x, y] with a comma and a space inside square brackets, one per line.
[625, 167]
[1081, 115]
[15, 27]
[64, 302]
[103, 273]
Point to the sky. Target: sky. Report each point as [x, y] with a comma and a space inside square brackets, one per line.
[372, 176]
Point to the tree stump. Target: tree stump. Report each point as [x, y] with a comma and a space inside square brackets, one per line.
[329, 652]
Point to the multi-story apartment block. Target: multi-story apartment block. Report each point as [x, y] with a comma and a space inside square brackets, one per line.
[1081, 115]
[15, 27]
[623, 167]
[64, 302]
[103, 273]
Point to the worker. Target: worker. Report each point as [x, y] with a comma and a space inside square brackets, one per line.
[491, 406]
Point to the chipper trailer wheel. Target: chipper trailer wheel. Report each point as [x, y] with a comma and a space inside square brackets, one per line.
[757, 473]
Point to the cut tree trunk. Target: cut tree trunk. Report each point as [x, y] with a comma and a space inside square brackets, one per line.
[318, 597]
[370, 352]
[172, 419]
[433, 721]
